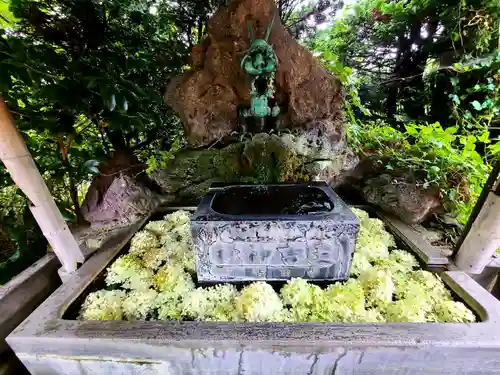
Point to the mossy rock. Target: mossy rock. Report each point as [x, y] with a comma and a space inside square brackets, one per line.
[264, 158]
[268, 159]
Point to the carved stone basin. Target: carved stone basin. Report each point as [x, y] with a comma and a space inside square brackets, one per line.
[273, 232]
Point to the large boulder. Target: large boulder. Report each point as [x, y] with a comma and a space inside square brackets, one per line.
[264, 158]
[396, 191]
[409, 201]
[120, 195]
[207, 96]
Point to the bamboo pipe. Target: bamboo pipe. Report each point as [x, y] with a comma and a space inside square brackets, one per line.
[18, 161]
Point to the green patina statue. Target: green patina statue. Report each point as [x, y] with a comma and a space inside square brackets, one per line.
[260, 63]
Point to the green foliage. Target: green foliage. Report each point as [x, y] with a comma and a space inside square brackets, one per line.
[349, 79]
[435, 156]
[6, 16]
[160, 159]
[389, 45]
[422, 86]
[81, 78]
[477, 107]
[74, 94]
[109, 76]
[21, 232]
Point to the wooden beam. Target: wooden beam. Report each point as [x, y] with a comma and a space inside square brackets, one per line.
[18, 161]
[483, 239]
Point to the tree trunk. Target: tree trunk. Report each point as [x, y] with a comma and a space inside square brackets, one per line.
[74, 198]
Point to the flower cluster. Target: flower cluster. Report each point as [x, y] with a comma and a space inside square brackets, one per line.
[258, 302]
[215, 304]
[373, 243]
[155, 282]
[129, 272]
[103, 305]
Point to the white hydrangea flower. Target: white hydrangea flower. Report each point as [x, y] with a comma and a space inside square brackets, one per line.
[173, 279]
[349, 300]
[158, 228]
[178, 218]
[399, 262]
[405, 287]
[360, 263]
[129, 271]
[175, 239]
[103, 305]
[303, 297]
[372, 243]
[169, 306]
[404, 258]
[215, 303]
[258, 302]
[372, 316]
[378, 286]
[420, 295]
[406, 310]
[363, 216]
[138, 305]
[223, 300]
[433, 285]
[153, 258]
[373, 240]
[196, 304]
[452, 312]
[179, 252]
[142, 242]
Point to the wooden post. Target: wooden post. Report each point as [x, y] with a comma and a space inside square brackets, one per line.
[22, 168]
[483, 239]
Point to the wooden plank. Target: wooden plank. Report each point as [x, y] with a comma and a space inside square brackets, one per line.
[483, 239]
[428, 253]
[21, 295]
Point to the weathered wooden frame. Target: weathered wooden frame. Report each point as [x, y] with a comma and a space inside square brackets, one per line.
[48, 344]
[21, 295]
[19, 298]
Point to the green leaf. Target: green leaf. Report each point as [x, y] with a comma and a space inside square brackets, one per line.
[488, 103]
[67, 216]
[112, 103]
[455, 98]
[484, 137]
[477, 106]
[91, 166]
[451, 130]
[15, 256]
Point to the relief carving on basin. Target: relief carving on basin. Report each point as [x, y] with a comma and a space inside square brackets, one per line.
[275, 239]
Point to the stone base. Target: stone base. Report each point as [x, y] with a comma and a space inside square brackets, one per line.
[47, 343]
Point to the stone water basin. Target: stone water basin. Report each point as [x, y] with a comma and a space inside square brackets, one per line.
[52, 341]
[273, 232]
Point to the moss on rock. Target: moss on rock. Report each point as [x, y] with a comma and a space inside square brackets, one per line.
[264, 158]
